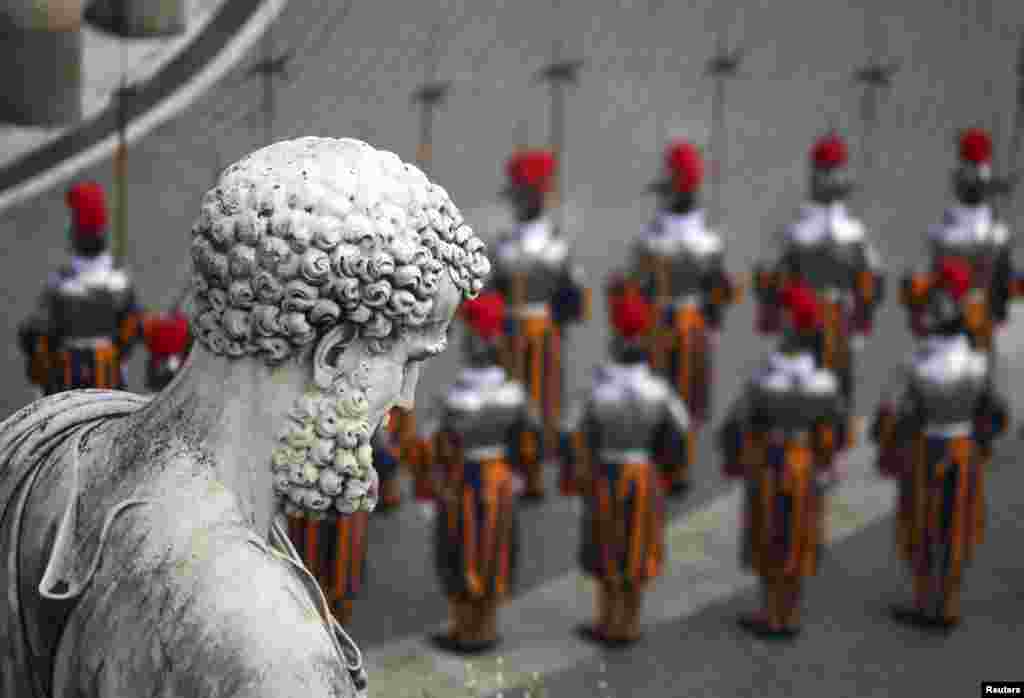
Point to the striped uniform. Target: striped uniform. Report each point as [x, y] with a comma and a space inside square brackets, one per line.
[935, 441]
[631, 426]
[335, 551]
[488, 429]
[544, 292]
[678, 262]
[779, 439]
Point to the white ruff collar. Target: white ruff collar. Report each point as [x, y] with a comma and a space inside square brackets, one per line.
[483, 377]
[84, 265]
[625, 373]
[679, 225]
[535, 235]
[978, 217]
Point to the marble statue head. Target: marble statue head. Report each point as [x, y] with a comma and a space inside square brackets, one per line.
[338, 256]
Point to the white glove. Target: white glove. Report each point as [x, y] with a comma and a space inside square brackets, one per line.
[427, 510]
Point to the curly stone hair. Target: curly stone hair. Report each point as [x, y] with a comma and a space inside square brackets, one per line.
[304, 234]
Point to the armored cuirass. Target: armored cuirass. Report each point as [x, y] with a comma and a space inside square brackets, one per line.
[626, 414]
[540, 270]
[948, 378]
[826, 263]
[971, 234]
[786, 395]
[87, 305]
[682, 266]
[483, 414]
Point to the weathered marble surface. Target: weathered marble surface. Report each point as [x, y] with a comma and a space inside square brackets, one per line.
[142, 549]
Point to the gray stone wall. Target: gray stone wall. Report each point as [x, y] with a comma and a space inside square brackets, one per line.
[138, 18]
[41, 49]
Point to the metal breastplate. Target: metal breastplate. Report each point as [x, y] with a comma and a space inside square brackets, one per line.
[791, 409]
[81, 311]
[947, 397]
[627, 419]
[825, 264]
[541, 271]
[484, 418]
[684, 268]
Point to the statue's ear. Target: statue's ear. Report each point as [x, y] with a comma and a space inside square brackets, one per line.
[327, 357]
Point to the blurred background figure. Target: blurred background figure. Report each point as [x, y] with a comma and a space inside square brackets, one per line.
[544, 292]
[87, 320]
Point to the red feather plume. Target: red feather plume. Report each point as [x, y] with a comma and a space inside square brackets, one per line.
[685, 166]
[166, 335]
[88, 208]
[532, 168]
[955, 276]
[829, 152]
[485, 315]
[631, 314]
[976, 146]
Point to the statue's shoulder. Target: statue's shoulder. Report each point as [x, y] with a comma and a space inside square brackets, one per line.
[208, 608]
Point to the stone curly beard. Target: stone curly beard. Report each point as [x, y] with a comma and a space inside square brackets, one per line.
[323, 465]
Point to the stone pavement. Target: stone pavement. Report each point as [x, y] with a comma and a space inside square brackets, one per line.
[537, 628]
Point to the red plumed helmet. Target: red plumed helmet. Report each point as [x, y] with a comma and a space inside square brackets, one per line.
[806, 316]
[685, 167]
[532, 168]
[88, 208]
[830, 152]
[803, 306]
[485, 315]
[955, 276]
[166, 334]
[632, 315]
[976, 146]
[794, 291]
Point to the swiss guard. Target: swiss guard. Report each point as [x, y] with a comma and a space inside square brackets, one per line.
[168, 342]
[87, 320]
[631, 428]
[934, 440]
[782, 437]
[828, 250]
[970, 231]
[678, 262]
[544, 292]
[487, 430]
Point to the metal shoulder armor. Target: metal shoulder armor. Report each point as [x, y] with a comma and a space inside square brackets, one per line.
[627, 413]
[792, 393]
[91, 304]
[948, 378]
[826, 259]
[484, 416]
[541, 271]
